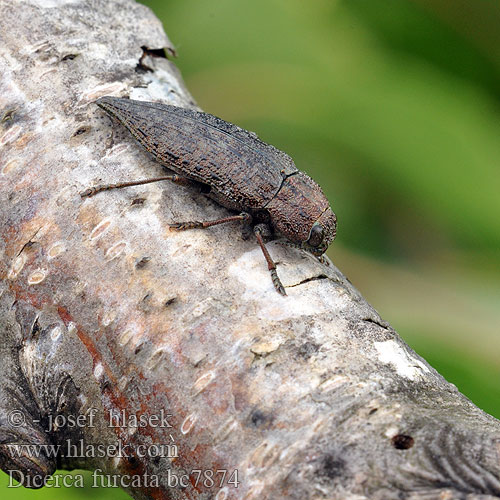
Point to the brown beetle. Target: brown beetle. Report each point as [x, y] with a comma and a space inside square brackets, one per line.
[235, 168]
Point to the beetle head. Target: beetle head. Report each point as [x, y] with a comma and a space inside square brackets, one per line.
[322, 233]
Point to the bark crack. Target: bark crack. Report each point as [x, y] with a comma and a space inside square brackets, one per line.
[29, 243]
[377, 322]
[307, 280]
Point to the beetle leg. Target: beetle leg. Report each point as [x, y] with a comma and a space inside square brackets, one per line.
[182, 226]
[324, 260]
[258, 229]
[105, 187]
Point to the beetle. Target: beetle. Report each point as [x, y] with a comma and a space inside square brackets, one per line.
[234, 168]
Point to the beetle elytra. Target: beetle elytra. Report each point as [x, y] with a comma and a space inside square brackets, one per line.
[235, 168]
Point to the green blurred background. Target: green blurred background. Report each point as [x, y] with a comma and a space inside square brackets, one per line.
[394, 108]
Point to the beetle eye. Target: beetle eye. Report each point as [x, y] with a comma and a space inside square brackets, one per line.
[316, 236]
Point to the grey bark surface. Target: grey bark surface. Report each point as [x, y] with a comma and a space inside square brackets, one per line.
[103, 310]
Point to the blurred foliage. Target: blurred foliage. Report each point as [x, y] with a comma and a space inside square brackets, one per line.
[394, 107]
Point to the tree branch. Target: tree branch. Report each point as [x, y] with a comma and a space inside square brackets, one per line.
[107, 315]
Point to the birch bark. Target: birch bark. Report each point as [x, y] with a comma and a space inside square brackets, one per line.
[106, 315]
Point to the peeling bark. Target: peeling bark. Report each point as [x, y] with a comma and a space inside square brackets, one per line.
[105, 312]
